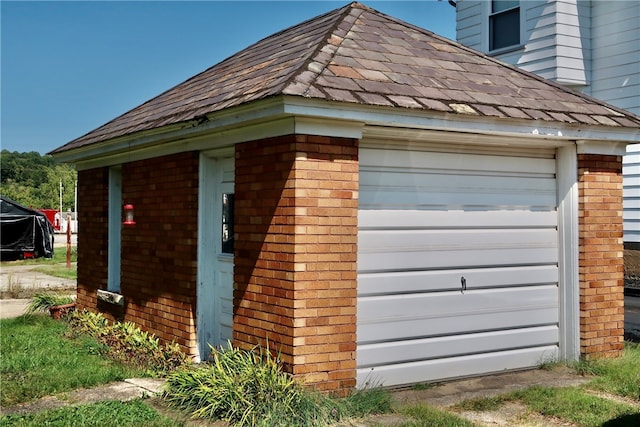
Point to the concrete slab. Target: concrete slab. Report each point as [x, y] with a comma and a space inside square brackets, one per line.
[10, 308]
[151, 385]
[22, 281]
[452, 392]
[123, 391]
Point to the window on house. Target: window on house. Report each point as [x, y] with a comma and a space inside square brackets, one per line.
[115, 221]
[227, 223]
[504, 24]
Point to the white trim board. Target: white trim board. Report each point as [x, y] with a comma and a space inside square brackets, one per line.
[290, 114]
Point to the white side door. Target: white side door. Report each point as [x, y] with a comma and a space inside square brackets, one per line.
[215, 253]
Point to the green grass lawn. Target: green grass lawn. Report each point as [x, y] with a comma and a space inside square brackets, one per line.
[38, 361]
[620, 376]
[109, 413]
[55, 266]
[59, 256]
[427, 416]
[576, 405]
[586, 405]
[59, 270]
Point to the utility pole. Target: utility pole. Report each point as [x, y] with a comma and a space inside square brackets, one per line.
[60, 200]
[68, 241]
[75, 204]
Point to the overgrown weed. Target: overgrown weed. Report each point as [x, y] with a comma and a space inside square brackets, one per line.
[249, 388]
[128, 344]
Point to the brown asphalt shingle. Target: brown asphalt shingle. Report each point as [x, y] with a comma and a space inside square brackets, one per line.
[358, 55]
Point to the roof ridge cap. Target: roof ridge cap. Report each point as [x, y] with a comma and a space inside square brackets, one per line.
[358, 5]
[346, 11]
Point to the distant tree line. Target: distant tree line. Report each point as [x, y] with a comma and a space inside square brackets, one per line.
[33, 180]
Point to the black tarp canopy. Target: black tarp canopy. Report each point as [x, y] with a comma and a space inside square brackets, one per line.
[23, 230]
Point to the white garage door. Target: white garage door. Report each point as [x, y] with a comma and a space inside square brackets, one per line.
[457, 263]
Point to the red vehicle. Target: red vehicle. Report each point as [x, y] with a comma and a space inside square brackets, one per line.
[51, 216]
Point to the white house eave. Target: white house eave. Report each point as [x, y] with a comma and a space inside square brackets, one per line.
[254, 112]
[471, 124]
[262, 119]
[601, 147]
[292, 114]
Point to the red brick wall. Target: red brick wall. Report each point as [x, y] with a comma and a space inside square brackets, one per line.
[295, 254]
[159, 253]
[600, 255]
[93, 217]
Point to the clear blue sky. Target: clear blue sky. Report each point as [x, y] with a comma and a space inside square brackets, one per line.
[69, 67]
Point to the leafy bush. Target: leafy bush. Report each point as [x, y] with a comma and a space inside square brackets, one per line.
[126, 343]
[248, 388]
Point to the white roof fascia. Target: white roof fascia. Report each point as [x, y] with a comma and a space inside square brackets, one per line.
[141, 148]
[255, 112]
[451, 136]
[264, 120]
[291, 114]
[421, 119]
[601, 147]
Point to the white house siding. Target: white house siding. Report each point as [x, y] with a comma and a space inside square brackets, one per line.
[457, 263]
[631, 189]
[469, 16]
[616, 53]
[616, 79]
[593, 46]
[555, 36]
[573, 50]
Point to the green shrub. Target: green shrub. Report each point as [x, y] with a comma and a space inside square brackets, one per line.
[86, 322]
[248, 388]
[126, 343]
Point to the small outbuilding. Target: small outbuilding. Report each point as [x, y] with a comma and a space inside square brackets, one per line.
[24, 232]
[378, 203]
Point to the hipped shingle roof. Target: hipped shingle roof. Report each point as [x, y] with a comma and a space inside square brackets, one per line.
[358, 55]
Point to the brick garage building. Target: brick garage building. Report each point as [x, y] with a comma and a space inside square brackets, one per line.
[377, 202]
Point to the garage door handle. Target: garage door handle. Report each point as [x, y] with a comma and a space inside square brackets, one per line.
[463, 281]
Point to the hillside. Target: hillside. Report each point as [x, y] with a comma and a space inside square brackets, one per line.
[33, 180]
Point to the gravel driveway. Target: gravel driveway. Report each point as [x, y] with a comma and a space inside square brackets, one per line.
[20, 282]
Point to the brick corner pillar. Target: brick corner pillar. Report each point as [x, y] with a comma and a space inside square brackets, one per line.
[601, 269]
[296, 206]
